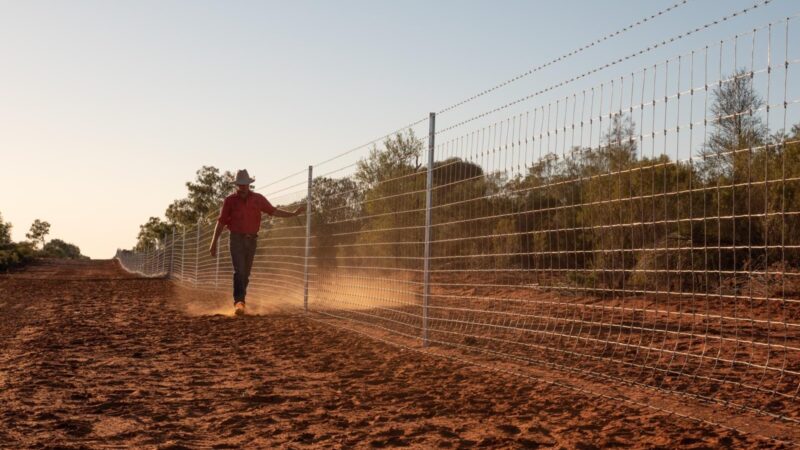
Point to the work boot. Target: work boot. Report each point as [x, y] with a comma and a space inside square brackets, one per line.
[239, 308]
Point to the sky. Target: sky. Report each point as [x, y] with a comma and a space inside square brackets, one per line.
[108, 108]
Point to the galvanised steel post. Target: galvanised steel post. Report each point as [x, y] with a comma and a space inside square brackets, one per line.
[155, 258]
[157, 262]
[163, 259]
[172, 257]
[308, 240]
[164, 267]
[183, 254]
[154, 268]
[197, 256]
[427, 269]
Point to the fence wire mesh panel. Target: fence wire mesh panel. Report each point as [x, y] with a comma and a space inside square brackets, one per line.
[367, 241]
[643, 229]
[278, 266]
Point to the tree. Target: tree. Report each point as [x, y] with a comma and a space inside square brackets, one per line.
[39, 229]
[335, 208]
[460, 190]
[736, 147]
[205, 196]
[737, 125]
[393, 201]
[619, 144]
[606, 186]
[400, 155]
[5, 231]
[57, 248]
[151, 233]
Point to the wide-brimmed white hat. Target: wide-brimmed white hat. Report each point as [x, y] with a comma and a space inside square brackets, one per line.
[242, 177]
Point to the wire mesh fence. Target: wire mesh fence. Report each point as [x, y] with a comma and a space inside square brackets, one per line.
[645, 230]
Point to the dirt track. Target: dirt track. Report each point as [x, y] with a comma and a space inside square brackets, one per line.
[91, 357]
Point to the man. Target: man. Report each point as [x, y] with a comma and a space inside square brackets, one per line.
[241, 213]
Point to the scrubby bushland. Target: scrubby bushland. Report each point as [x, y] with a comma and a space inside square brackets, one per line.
[13, 254]
[57, 248]
[605, 218]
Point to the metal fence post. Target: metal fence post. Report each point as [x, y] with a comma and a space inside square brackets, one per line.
[308, 239]
[183, 254]
[165, 267]
[197, 256]
[156, 258]
[157, 250]
[172, 256]
[162, 260]
[428, 197]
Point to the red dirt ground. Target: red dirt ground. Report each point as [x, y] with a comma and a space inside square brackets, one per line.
[91, 357]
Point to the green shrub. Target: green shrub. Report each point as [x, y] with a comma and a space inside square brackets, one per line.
[57, 248]
[13, 255]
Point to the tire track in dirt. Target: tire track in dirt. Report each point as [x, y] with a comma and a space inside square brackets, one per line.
[92, 357]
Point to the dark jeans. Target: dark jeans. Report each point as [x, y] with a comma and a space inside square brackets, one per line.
[243, 250]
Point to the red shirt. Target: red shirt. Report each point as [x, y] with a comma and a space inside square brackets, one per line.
[243, 215]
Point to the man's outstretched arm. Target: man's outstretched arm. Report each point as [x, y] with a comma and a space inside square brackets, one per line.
[283, 213]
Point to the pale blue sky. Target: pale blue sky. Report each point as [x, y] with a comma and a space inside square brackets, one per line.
[107, 108]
